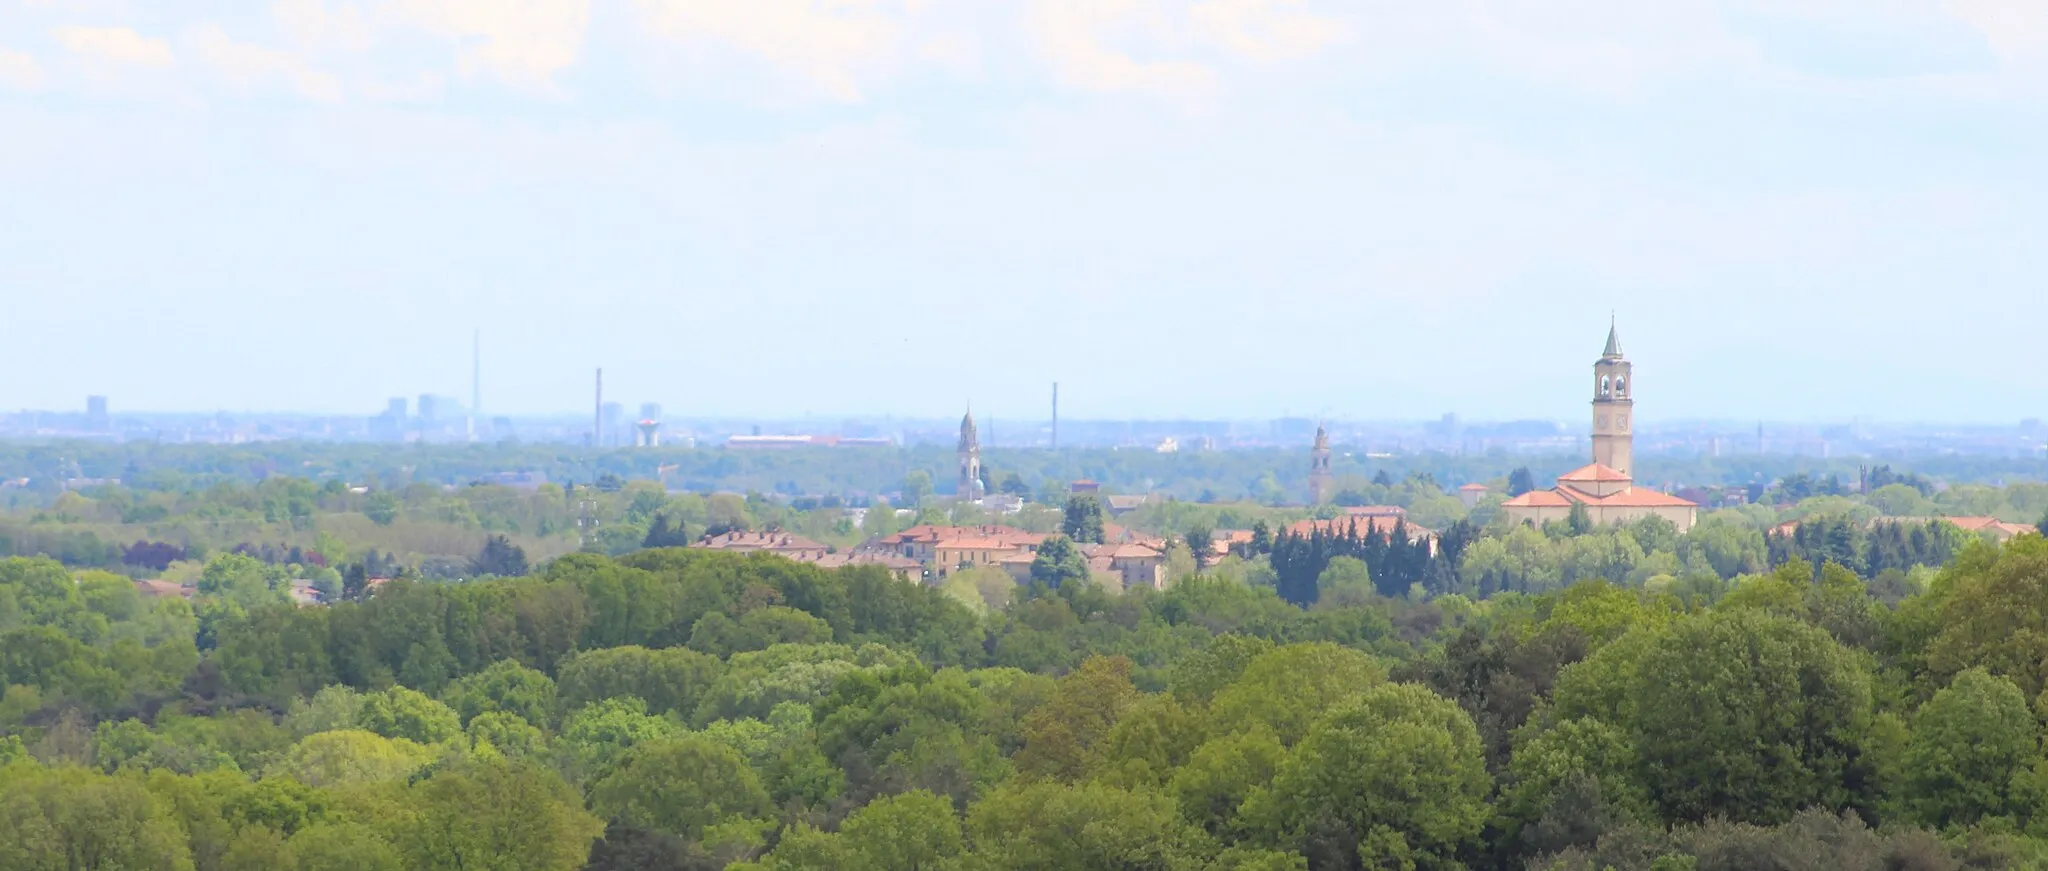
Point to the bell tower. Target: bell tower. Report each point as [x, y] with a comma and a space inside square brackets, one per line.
[970, 487]
[1319, 480]
[1613, 408]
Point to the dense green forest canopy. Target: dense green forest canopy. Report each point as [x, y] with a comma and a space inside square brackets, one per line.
[676, 708]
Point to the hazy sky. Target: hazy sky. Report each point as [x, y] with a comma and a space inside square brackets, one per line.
[1804, 209]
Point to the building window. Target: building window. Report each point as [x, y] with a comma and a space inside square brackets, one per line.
[1603, 385]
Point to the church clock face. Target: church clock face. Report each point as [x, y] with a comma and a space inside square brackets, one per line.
[1600, 422]
[1621, 423]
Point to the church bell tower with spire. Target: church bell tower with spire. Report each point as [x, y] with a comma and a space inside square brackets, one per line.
[1319, 480]
[970, 485]
[1613, 408]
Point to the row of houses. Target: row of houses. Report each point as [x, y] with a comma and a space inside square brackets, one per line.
[934, 553]
[1999, 530]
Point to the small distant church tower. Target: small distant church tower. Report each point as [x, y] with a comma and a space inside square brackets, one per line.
[1613, 405]
[971, 487]
[1319, 469]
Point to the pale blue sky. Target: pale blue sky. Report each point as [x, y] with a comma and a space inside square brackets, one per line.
[1801, 209]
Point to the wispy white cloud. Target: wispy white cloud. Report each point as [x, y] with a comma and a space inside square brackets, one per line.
[1080, 38]
[2016, 29]
[118, 45]
[247, 67]
[20, 71]
[829, 45]
[523, 43]
[1265, 29]
[313, 26]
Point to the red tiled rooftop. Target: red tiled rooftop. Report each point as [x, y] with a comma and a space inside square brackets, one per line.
[1643, 497]
[1539, 499]
[1594, 472]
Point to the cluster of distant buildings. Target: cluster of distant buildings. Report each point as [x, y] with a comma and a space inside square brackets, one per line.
[932, 554]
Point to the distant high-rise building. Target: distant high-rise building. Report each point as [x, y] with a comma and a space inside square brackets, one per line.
[429, 408]
[96, 414]
[395, 407]
[614, 415]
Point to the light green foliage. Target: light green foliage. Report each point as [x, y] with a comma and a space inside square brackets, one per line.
[1900, 500]
[1222, 773]
[343, 847]
[1991, 615]
[241, 581]
[509, 734]
[1973, 753]
[1740, 715]
[1200, 675]
[1253, 859]
[671, 680]
[759, 629]
[334, 707]
[681, 786]
[1346, 582]
[1581, 767]
[501, 816]
[506, 687]
[351, 756]
[755, 682]
[1046, 826]
[1288, 688]
[1399, 768]
[132, 744]
[399, 712]
[601, 733]
[1063, 737]
[915, 831]
[40, 592]
[1153, 738]
[69, 818]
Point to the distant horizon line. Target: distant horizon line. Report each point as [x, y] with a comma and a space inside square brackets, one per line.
[949, 419]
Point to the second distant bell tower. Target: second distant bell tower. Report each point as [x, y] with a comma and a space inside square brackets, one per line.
[970, 459]
[1319, 468]
[1613, 406]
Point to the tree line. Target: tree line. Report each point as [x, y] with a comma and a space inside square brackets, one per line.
[673, 708]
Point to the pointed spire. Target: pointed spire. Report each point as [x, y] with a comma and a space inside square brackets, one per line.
[1613, 339]
[970, 440]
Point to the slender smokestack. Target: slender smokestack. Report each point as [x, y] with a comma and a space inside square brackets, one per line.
[597, 419]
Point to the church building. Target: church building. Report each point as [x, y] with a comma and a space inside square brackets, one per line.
[1607, 487]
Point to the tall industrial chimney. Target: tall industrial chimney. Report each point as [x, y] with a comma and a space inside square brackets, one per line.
[1055, 415]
